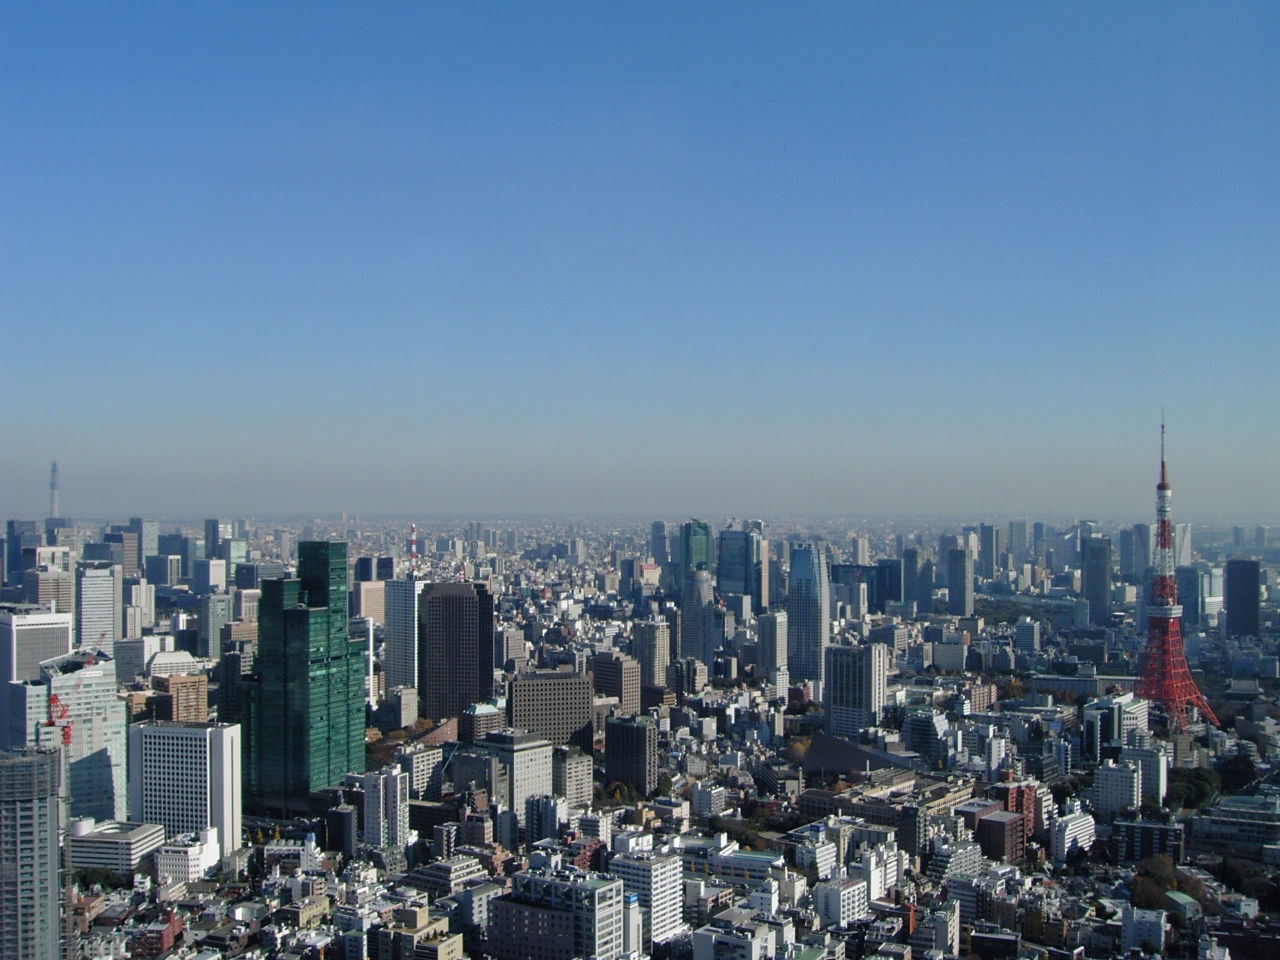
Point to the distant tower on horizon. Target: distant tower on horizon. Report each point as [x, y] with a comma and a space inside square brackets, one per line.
[1165, 677]
[53, 490]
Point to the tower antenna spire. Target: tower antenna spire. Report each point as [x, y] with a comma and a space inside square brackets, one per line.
[53, 489]
[1164, 476]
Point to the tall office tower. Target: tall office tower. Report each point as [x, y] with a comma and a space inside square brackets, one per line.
[50, 588]
[455, 648]
[696, 549]
[617, 675]
[138, 593]
[808, 613]
[215, 613]
[698, 617]
[526, 758]
[1128, 556]
[733, 567]
[18, 535]
[860, 551]
[215, 531]
[400, 636]
[771, 655]
[99, 596]
[1243, 596]
[208, 576]
[1142, 548]
[363, 570]
[1182, 544]
[127, 541]
[960, 583]
[385, 568]
[990, 547]
[1165, 677]
[148, 532]
[311, 682]
[889, 581]
[386, 808]
[555, 704]
[658, 542]
[572, 775]
[910, 573]
[1095, 577]
[30, 822]
[658, 881]
[566, 912]
[180, 697]
[856, 687]
[675, 630]
[1192, 591]
[924, 587]
[186, 777]
[631, 753]
[1237, 537]
[1261, 536]
[651, 646]
[1019, 540]
[74, 701]
[29, 636]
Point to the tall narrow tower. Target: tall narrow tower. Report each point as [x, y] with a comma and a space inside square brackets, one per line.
[53, 490]
[1165, 677]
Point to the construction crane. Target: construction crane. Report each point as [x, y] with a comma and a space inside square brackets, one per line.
[58, 711]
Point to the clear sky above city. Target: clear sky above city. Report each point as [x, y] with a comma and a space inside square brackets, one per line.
[643, 258]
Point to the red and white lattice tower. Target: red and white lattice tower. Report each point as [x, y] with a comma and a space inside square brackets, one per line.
[1165, 677]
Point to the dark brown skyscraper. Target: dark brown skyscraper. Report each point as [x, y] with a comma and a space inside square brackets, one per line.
[455, 648]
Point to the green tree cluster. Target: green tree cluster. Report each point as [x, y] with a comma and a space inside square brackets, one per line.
[1191, 788]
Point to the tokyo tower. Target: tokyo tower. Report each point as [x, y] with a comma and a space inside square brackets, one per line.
[1165, 677]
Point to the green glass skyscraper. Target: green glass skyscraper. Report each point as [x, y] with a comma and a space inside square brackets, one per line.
[309, 725]
[696, 549]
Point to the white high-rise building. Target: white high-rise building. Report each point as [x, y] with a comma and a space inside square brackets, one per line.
[860, 551]
[659, 882]
[186, 777]
[386, 807]
[841, 901]
[28, 637]
[141, 595]
[808, 613]
[77, 692]
[1117, 787]
[1154, 762]
[771, 649]
[99, 603]
[855, 687]
[401, 631]
[527, 758]
[1072, 831]
[651, 647]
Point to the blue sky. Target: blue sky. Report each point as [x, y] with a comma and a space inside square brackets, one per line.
[871, 259]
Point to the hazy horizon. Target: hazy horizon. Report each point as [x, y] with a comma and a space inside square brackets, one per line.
[944, 260]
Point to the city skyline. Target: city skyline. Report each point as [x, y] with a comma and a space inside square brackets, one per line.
[840, 261]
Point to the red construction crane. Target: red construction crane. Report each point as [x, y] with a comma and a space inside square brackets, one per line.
[58, 711]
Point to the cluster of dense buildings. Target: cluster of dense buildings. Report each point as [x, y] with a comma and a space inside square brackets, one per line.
[605, 742]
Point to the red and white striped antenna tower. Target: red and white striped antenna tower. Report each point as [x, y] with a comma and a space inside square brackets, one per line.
[1165, 677]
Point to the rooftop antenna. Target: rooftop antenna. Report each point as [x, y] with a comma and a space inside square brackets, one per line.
[53, 490]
